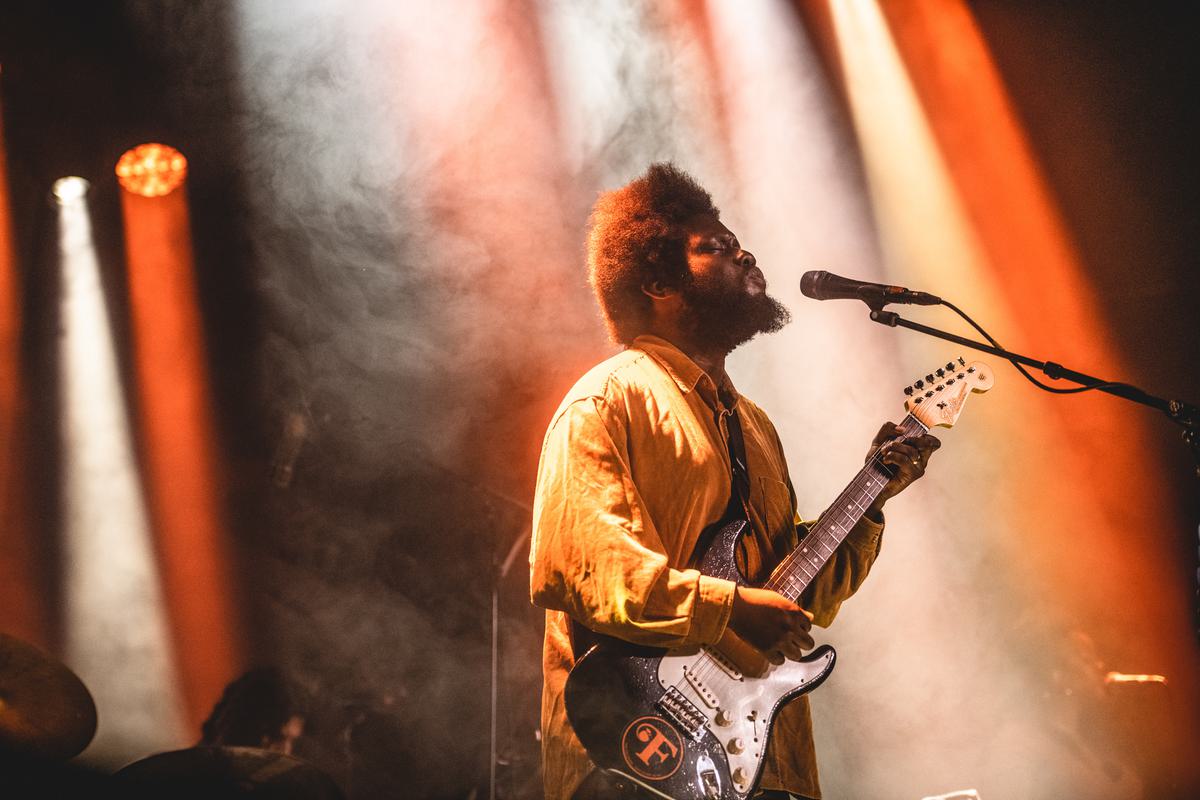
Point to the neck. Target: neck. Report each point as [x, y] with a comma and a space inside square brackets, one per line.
[709, 360]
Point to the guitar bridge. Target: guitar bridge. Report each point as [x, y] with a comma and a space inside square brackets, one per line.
[683, 712]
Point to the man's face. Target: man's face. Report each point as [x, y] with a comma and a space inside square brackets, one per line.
[725, 293]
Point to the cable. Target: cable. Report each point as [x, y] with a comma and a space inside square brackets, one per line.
[1021, 368]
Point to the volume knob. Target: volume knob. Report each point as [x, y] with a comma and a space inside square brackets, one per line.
[722, 717]
[736, 745]
[739, 776]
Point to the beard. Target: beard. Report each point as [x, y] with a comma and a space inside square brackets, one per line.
[724, 317]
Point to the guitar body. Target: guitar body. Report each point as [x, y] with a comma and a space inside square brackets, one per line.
[684, 724]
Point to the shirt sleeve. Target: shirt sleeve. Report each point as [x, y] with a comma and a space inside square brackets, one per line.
[844, 572]
[846, 569]
[595, 553]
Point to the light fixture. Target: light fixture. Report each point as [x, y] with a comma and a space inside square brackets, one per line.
[152, 170]
[71, 188]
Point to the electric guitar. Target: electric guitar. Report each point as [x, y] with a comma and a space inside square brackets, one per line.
[690, 724]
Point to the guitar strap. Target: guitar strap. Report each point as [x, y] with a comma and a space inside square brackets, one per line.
[582, 638]
[739, 500]
[738, 507]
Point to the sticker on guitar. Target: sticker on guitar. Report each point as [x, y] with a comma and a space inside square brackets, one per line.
[652, 748]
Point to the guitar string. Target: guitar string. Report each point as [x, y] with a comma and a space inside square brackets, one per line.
[783, 571]
[706, 665]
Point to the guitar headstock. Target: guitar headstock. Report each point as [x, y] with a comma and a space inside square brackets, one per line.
[938, 398]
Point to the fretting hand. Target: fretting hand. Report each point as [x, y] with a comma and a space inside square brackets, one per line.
[907, 456]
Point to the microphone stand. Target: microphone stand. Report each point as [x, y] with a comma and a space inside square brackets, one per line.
[500, 570]
[1183, 414]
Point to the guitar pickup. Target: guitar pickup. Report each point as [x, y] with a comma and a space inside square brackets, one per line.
[703, 691]
[724, 663]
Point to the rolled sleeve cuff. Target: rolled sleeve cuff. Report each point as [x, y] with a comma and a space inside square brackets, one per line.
[710, 615]
[867, 534]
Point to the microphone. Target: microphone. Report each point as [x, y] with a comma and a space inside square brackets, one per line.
[822, 285]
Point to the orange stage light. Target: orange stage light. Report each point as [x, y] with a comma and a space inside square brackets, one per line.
[23, 611]
[152, 170]
[179, 450]
[962, 203]
[1033, 260]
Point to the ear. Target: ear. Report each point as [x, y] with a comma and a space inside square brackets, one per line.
[657, 290]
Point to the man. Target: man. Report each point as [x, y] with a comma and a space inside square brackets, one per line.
[636, 464]
[263, 708]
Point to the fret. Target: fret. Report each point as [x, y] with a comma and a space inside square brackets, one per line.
[798, 568]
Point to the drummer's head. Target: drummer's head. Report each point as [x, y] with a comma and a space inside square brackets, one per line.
[262, 708]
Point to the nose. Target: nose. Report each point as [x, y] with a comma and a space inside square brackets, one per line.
[745, 259]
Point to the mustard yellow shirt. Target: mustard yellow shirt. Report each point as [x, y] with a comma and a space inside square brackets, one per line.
[633, 468]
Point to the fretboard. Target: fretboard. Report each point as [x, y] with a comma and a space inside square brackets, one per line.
[797, 570]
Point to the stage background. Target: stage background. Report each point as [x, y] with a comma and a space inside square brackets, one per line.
[387, 205]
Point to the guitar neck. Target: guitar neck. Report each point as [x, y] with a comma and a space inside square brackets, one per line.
[798, 569]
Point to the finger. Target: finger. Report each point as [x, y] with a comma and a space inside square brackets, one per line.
[794, 648]
[903, 456]
[905, 469]
[889, 430]
[797, 645]
[927, 444]
[904, 449]
[801, 622]
[775, 657]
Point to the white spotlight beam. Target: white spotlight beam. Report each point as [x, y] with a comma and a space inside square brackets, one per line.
[116, 630]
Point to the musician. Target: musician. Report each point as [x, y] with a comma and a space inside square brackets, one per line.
[262, 708]
[636, 464]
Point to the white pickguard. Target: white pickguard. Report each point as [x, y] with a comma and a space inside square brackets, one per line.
[739, 708]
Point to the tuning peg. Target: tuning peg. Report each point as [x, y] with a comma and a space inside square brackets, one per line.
[929, 378]
[941, 373]
[949, 366]
[920, 384]
[908, 390]
[961, 363]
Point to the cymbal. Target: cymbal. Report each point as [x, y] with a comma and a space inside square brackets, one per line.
[206, 773]
[45, 710]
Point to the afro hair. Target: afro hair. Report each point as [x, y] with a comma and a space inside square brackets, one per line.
[637, 235]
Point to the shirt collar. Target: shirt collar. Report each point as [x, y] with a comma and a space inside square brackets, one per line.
[686, 373]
